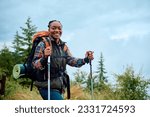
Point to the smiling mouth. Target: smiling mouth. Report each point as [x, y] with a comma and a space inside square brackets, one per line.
[57, 34]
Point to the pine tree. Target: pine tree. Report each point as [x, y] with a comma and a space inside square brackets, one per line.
[23, 43]
[101, 70]
[16, 43]
[6, 61]
[101, 78]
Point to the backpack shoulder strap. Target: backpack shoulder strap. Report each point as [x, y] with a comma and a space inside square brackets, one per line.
[40, 34]
[65, 47]
[47, 43]
[66, 50]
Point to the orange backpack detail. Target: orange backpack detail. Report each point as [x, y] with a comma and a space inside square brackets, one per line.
[41, 34]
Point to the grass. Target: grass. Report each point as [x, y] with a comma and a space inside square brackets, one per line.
[24, 94]
[15, 91]
[77, 93]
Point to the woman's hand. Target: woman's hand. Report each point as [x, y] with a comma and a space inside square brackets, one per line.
[89, 55]
[47, 52]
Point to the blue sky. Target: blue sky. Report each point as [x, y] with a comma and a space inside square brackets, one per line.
[120, 29]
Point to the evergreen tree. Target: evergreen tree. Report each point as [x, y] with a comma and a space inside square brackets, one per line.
[16, 43]
[6, 61]
[101, 78]
[101, 70]
[23, 43]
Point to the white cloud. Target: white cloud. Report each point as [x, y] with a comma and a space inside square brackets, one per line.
[124, 36]
[130, 33]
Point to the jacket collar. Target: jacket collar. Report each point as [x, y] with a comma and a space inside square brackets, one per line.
[60, 41]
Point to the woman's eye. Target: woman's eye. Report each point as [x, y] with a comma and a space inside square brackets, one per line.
[59, 28]
[55, 28]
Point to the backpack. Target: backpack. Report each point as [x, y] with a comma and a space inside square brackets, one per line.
[37, 38]
[26, 69]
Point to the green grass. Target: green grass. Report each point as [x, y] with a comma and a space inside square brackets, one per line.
[15, 91]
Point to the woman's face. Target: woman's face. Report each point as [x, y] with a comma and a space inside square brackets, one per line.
[55, 30]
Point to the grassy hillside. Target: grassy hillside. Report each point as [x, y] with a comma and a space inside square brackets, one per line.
[15, 91]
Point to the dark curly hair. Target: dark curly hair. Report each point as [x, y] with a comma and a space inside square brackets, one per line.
[52, 22]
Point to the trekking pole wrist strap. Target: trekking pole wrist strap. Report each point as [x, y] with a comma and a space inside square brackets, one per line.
[86, 60]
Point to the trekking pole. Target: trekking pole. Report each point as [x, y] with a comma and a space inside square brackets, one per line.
[92, 96]
[49, 97]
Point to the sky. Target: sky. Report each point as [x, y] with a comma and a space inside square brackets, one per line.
[120, 29]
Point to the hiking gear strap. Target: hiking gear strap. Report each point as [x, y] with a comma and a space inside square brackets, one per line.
[68, 87]
[46, 42]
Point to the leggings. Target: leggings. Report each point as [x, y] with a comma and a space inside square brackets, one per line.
[54, 94]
